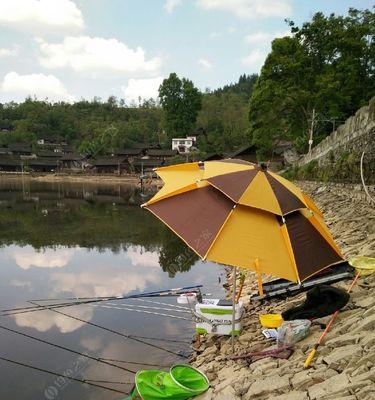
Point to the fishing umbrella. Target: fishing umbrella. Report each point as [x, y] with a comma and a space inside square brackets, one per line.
[235, 213]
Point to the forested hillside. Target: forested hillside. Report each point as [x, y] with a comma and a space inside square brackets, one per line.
[97, 126]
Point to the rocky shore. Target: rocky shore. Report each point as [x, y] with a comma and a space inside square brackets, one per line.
[344, 366]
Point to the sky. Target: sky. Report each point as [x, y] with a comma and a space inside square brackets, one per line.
[66, 50]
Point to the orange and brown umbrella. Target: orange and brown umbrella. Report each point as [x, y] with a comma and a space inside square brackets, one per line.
[236, 213]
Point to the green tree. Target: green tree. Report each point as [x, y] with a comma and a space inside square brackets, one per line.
[327, 65]
[181, 102]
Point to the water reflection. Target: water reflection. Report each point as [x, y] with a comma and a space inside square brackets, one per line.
[27, 257]
[82, 240]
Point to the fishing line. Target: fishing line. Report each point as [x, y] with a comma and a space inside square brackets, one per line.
[112, 382]
[117, 333]
[139, 311]
[150, 308]
[136, 363]
[84, 381]
[163, 304]
[66, 349]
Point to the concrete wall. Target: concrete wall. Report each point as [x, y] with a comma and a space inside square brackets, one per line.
[339, 154]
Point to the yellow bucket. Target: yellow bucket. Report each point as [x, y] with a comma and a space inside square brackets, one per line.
[271, 320]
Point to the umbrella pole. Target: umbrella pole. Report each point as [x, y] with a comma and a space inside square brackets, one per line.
[259, 276]
[234, 306]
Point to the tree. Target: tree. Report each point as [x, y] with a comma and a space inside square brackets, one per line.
[181, 102]
[327, 65]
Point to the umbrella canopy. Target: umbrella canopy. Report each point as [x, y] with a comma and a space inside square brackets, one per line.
[242, 182]
[215, 207]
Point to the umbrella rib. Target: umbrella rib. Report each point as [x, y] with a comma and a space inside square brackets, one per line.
[288, 244]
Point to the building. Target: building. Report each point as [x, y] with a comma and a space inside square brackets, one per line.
[11, 163]
[71, 162]
[246, 153]
[160, 154]
[144, 165]
[129, 153]
[20, 149]
[42, 164]
[184, 145]
[110, 165]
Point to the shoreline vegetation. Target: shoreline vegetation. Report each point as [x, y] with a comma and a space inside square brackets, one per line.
[344, 367]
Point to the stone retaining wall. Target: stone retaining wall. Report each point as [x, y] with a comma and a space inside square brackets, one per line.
[338, 155]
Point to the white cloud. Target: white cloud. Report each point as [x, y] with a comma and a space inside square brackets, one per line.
[255, 59]
[26, 257]
[43, 321]
[41, 14]
[144, 88]
[249, 9]
[170, 5]
[205, 63]
[84, 53]
[139, 257]
[4, 52]
[39, 85]
[264, 37]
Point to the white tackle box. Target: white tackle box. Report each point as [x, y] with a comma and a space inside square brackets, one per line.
[215, 316]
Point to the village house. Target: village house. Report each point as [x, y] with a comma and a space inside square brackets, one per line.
[72, 162]
[111, 165]
[184, 145]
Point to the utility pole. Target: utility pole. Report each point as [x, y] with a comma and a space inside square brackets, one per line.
[312, 130]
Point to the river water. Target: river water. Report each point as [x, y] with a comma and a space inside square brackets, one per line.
[61, 240]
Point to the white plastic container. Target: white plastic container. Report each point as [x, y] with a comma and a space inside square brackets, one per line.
[217, 319]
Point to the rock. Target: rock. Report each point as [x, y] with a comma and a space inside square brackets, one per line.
[211, 376]
[274, 384]
[206, 396]
[339, 358]
[301, 380]
[343, 340]
[369, 375]
[226, 394]
[367, 324]
[368, 340]
[294, 395]
[330, 386]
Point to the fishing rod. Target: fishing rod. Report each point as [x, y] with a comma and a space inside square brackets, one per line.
[84, 381]
[140, 311]
[177, 310]
[40, 307]
[114, 332]
[66, 349]
[147, 294]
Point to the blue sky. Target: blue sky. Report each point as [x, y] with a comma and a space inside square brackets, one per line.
[72, 49]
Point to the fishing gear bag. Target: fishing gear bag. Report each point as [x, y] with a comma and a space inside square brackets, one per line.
[182, 382]
[322, 300]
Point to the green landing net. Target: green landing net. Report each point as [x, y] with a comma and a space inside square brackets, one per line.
[182, 382]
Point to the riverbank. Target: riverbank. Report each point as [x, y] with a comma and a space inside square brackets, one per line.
[82, 178]
[344, 367]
